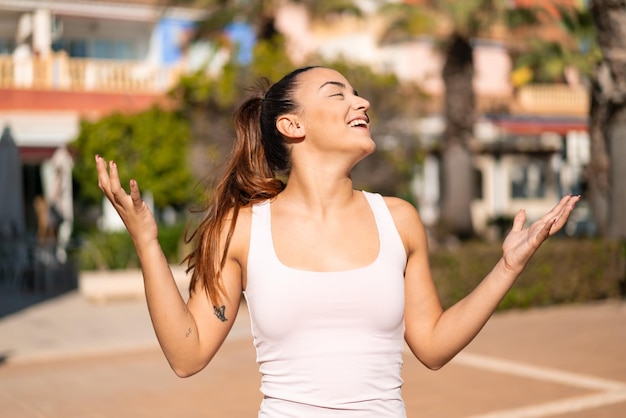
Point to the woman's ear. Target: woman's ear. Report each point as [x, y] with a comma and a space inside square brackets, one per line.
[290, 127]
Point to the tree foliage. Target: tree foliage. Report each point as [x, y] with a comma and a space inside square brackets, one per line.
[546, 61]
[220, 93]
[260, 14]
[151, 146]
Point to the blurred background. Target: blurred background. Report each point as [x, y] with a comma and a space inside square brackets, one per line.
[479, 109]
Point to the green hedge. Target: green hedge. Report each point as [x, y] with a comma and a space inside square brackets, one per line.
[562, 271]
[115, 250]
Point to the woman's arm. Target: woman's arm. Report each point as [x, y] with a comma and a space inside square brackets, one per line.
[435, 336]
[189, 333]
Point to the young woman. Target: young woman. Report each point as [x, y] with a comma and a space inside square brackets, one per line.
[336, 279]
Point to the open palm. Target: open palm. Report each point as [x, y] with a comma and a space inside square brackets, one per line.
[133, 211]
[521, 243]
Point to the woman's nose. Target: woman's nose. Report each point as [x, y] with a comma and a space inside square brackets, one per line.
[361, 103]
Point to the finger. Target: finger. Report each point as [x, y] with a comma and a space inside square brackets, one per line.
[557, 210]
[548, 230]
[563, 216]
[135, 194]
[519, 220]
[116, 187]
[571, 202]
[103, 175]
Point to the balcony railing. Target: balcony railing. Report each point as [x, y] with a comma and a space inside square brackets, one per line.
[58, 72]
[561, 99]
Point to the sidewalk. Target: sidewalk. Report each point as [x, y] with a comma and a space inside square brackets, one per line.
[106, 314]
[91, 353]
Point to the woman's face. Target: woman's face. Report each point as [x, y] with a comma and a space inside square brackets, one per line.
[333, 116]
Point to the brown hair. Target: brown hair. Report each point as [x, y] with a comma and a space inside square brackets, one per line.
[258, 155]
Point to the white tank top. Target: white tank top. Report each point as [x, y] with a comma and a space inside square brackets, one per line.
[328, 344]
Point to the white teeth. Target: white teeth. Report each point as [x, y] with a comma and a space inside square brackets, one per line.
[357, 122]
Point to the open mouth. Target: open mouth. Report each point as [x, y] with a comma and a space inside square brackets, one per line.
[362, 123]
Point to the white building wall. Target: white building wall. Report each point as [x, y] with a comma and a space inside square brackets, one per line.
[492, 69]
[41, 129]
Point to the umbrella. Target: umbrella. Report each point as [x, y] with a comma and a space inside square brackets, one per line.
[12, 223]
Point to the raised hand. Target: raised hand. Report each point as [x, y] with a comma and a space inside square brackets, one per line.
[521, 243]
[133, 211]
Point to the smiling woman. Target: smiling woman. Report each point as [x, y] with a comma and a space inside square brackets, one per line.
[333, 110]
[336, 279]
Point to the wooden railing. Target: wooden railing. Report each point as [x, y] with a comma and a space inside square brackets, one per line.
[58, 72]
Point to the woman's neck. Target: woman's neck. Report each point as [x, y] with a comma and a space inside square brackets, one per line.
[318, 192]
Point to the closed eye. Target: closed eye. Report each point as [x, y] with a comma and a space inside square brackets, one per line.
[342, 95]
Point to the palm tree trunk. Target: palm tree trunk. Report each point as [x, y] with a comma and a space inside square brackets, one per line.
[616, 135]
[459, 108]
[610, 20]
[597, 172]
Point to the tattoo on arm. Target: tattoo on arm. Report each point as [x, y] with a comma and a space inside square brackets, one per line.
[220, 313]
[188, 333]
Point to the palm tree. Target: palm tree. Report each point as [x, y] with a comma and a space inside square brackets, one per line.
[608, 112]
[548, 61]
[456, 24]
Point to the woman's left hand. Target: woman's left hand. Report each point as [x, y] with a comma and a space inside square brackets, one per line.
[521, 243]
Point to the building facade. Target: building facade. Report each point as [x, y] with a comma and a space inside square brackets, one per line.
[60, 62]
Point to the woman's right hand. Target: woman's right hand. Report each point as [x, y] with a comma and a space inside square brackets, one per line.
[133, 211]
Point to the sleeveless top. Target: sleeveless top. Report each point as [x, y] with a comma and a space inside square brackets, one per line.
[328, 344]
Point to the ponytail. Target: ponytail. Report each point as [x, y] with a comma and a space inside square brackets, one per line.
[259, 154]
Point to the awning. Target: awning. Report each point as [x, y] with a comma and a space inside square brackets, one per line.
[36, 155]
[536, 125]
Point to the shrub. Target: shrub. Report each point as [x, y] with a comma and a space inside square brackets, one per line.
[115, 250]
[562, 271]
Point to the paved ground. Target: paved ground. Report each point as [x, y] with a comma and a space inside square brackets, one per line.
[70, 357]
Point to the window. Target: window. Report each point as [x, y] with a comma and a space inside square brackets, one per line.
[108, 49]
[6, 46]
[478, 184]
[97, 48]
[528, 179]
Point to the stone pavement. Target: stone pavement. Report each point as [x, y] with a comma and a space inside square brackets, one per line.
[92, 353]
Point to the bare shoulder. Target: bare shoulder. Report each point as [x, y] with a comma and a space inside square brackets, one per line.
[408, 222]
[403, 212]
[240, 239]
